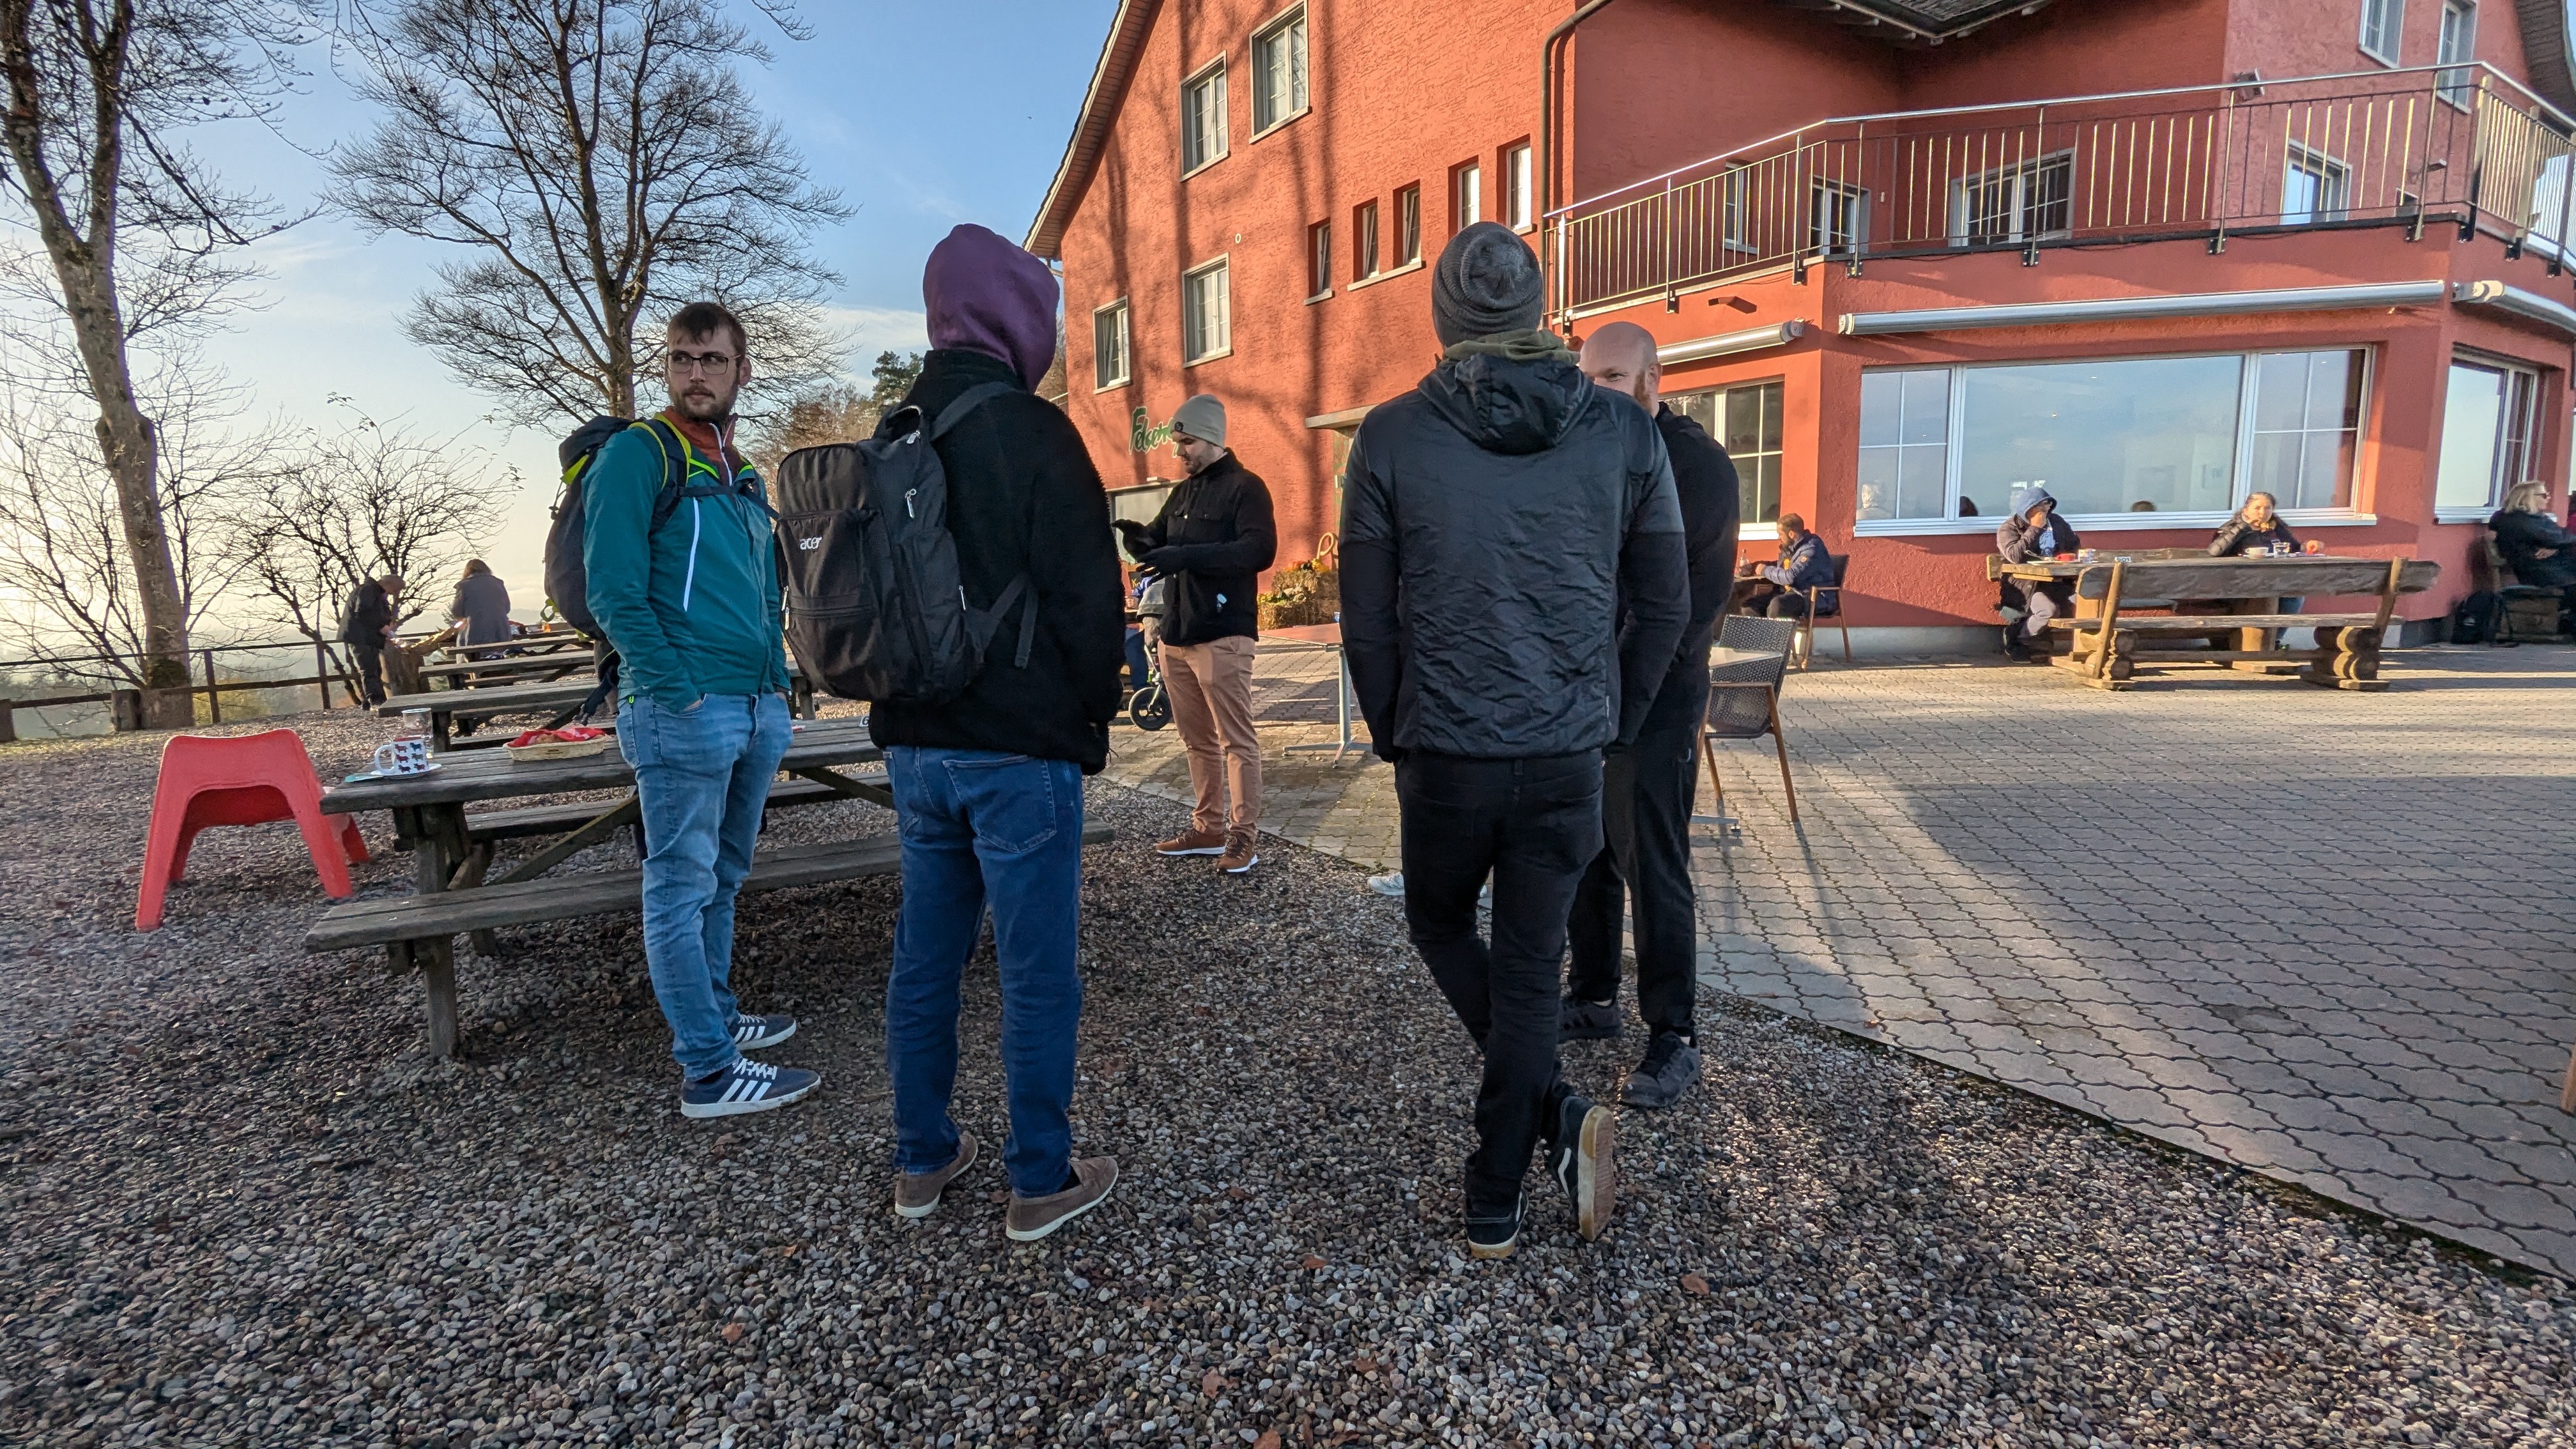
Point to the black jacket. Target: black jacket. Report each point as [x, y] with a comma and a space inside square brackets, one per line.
[1712, 517]
[2236, 535]
[1213, 538]
[1023, 498]
[2521, 536]
[1492, 522]
[370, 610]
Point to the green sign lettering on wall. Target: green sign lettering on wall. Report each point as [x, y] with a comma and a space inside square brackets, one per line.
[1146, 435]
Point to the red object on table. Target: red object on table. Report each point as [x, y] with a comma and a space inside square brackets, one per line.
[239, 780]
[569, 735]
[2064, 557]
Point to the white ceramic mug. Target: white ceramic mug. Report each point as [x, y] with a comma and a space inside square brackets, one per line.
[406, 756]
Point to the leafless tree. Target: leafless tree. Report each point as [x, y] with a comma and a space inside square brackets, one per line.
[356, 504]
[600, 162]
[839, 411]
[63, 568]
[100, 93]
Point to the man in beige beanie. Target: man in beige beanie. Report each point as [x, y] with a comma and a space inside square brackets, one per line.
[1212, 540]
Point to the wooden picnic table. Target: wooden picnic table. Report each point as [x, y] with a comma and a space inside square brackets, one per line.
[554, 696]
[509, 668]
[429, 818]
[2123, 596]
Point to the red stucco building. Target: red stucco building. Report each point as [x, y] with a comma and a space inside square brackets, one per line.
[1904, 255]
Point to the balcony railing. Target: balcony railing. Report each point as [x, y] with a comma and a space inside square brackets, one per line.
[2460, 145]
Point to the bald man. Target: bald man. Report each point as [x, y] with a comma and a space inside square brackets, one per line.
[1647, 791]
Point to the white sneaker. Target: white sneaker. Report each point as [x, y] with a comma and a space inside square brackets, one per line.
[1389, 884]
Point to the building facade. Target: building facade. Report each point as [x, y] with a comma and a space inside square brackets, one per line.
[1904, 258]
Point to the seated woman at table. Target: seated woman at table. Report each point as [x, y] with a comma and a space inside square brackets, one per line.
[2540, 553]
[1803, 565]
[2255, 526]
[2034, 533]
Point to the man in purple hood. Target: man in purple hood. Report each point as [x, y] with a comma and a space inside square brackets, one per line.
[988, 786]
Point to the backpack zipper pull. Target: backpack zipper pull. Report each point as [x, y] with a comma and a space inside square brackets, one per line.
[907, 501]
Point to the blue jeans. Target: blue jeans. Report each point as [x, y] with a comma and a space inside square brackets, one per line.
[703, 775]
[982, 827]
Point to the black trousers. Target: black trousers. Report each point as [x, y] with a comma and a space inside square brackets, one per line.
[371, 670]
[1646, 798]
[1534, 824]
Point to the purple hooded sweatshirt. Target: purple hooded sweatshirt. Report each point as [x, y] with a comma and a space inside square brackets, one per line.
[989, 296]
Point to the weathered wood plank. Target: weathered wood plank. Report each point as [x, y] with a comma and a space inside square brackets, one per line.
[2214, 623]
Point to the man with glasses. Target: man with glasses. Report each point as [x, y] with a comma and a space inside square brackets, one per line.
[692, 608]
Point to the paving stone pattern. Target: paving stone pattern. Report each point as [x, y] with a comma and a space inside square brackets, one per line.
[2327, 936]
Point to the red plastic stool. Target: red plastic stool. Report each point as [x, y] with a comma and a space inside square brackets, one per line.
[239, 780]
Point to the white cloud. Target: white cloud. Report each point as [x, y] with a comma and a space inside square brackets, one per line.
[872, 330]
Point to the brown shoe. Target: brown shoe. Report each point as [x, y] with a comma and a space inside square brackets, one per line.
[1032, 1218]
[916, 1193]
[1194, 842]
[1239, 855]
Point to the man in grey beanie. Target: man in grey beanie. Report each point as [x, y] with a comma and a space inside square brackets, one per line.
[1212, 540]
[1513, 590]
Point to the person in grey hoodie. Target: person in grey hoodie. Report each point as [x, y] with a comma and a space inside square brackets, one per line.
[1494, 521]
[481, 604]
[2033, 532]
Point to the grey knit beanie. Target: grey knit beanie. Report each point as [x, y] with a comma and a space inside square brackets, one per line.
[1201, 417]
[1487, 281]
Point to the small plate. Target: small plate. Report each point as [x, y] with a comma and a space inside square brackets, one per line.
[432, 768]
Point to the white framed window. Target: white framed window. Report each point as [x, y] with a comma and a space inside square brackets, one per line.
[2382, 22]
[1203, 119]
[1110, 338]
[1516, 187]
[1733, 212]
[2486, 437]
[1466, 197]
[2014, 203]
[1364, 242]
[1207, 308]
[1838, 217]
[1408, 226]
[2314, 187]
[1279, 71]
[2459, 45]
[1745, 420]
[2151, 442]
[1319, 259]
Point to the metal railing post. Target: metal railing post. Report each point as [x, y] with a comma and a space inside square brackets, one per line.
[322, 671]
[214, 696]
[2218, 211]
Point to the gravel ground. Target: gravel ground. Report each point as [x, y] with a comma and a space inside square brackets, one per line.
[240, 1209]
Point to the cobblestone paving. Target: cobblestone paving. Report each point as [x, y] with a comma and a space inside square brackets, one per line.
[2330, 937]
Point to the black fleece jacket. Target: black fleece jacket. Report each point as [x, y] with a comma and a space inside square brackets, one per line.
[1023, 498]
[1712, 518]
[1212, 539]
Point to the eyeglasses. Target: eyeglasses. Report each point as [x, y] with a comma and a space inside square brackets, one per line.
[685, 363]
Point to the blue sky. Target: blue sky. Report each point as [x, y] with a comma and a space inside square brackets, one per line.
[921, 115]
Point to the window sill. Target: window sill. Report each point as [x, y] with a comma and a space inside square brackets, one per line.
[2478, 514]
[1216, 159]
[2369, 54]
[1391, 273]
[1524, 229]
[1319, 296]
[1099, 388]
[2087, 523]
[1758, 533]
[1284, 122]
[1217, 356]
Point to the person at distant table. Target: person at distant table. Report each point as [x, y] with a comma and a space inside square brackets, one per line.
[2539, 552]
[2035, 532]
[1803, 565]
[2256, 527]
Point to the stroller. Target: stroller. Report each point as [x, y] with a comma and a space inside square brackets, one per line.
[1150, 706]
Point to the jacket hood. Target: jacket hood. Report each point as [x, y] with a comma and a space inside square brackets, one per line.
[1507, 405]
[980, 293]
[2026, 499]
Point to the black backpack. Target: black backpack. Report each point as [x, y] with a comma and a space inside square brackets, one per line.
[2477, 618]
[876, 609]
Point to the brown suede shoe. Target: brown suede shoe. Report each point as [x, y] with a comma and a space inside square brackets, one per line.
[1032, 1218]
[1239, 855]
[916, 1193]
[1194, 842]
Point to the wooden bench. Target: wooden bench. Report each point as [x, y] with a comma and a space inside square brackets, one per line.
[533, 820]
[402, 923]
[2114, 604]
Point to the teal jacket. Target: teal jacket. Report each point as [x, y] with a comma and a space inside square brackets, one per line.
[694, 609]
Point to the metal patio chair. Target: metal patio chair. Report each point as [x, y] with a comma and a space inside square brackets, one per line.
[1805, 649]
[1744, 696]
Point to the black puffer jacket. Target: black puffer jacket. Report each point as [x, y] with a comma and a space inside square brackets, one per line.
[2520, 537]
[2237, 535]
[1213, 538]
[1494, 521]
[1023, 498]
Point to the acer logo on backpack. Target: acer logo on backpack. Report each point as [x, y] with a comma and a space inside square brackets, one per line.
[810, 544]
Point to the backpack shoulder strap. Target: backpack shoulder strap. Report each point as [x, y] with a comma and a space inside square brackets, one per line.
[675, 468]
[967, 401]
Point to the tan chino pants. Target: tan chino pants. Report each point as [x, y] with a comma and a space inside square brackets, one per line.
[1211, 689]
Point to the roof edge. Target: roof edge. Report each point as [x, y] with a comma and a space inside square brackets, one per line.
[1100, 103]
[2548, 50]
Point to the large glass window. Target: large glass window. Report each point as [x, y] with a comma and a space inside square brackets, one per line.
[2486, 437]
[2381, 23]
[2186, 435]
[1516, 187]
[1408, 226]
[1364, 242]
[1745, 420]
[2314, 186]
[2459, 42]
[1467, 198]
[1838, 217]
[1319, 259]
[1279, 71]
[2014, 203]
[1207, 328]
[1203, 118]
[1109, 361]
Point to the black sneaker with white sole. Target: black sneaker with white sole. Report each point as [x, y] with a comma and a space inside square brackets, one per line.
[1581, 1020]
[1671, 1065]
[1579, 1157]
[751, 1033]
[1495, 1237]
[746, 1086]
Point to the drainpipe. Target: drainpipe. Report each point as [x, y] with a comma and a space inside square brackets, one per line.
[1547, 103]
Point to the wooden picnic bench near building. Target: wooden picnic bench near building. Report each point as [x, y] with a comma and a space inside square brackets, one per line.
[2179, 609]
